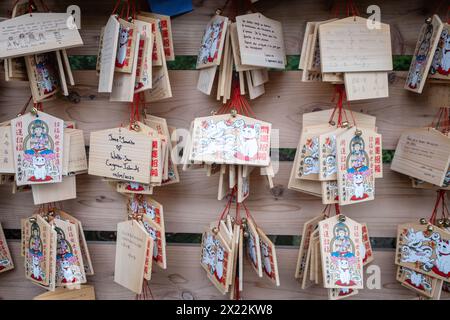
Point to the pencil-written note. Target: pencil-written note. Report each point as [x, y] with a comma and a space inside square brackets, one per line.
[261, 41]
[120, 154]
[366, 85]
[37, 33]
[347, 45]
[423, 154]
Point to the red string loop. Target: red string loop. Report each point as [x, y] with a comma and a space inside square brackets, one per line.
[237, 102]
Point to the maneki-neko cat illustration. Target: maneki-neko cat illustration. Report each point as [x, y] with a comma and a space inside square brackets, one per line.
[39, 152]
[35, 253]
[67, 264]
[440, 67]
[343, 257]
[215, 260]
[231, 140]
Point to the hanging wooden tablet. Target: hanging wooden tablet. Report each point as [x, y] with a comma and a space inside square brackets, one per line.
[157, 51]
[145, 205]
[37, 246]
[74, 158]
[161, 88]
[42, 75]
[120, 153]
[126, 47]
[85, 292]
[36, 33]
[327, 154]
[423, 54]
[356, 179]
[165, 28]
[323, 116]
[309, 30]
[306, 282]
[237, 232]
[132, 245]
[54, 192]
[308, 165]
[157, 233]
[67, 68]
[313, 62]
[156, 168]
[6, 150]
[124, 82]
[425, 249]
[252, 247]
[215, 259]
[144, 65]
[108, 54]
[87, 262]
[348, 45]
[340, 241]
[223, 182]
[69, 261]
[37, 148]
[268, 258]
[6, 262]
[253, 91]
[308, 229]
[231, 140]
[440, 66]
[310, 76]
[15, 69]
[423, 284]
[254, 33]
[236, 50]
[212, 44]
[423, 153]
[243, 184]
[206, 79]
[62, 75]
[366, 85]
[366, 247]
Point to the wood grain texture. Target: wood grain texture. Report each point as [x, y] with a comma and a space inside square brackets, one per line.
[283, 104]
[185, 279]
[405, 19]
[192, 204]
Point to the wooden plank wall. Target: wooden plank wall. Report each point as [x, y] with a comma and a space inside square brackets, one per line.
[192, 204]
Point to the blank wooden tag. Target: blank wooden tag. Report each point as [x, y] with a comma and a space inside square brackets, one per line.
[341, 258]
[253, 92]
[131, 251]
[54, 192]
[39, 148]
[206, 79]
[254, 33]
[161, 88]
[213, 41]
[349, 45]
[124, 82]
[423, 153]
[120, 153]
[85, 292]
[6, 262]
[144, 66]
[355, 166]
[74, 160]
[62, 75]
[259, 76]
[6, 150]
[45, 32]
[308, 229]
[67, 68]
[423, 54]
[108, 51]
[236, 50]
[69, 260]
[268, 258]
[366, 85]
[309, 30]
[306, 282]
[235, 268]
